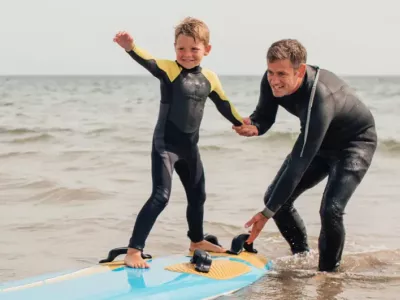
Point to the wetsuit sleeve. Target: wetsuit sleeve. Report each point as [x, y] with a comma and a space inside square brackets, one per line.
[303, 152]
[162, 69]
[264, 115]
[221, 101]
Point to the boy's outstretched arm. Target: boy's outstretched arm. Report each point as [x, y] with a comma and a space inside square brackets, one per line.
[158, 68]
[221, 101]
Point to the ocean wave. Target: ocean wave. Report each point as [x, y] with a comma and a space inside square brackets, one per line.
[24, 130]
[62, 223]
[64, 194]
[373, 266]
[42, 137]
[100, 131]
[16, 131]
[18, 154]
[21, 183]
[389, 145]
[218, 148]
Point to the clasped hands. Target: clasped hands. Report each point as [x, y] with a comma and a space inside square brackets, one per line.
[246, 129]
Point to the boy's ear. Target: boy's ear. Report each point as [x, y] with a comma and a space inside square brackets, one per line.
[207, 50]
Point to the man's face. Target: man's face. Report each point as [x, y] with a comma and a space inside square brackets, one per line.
[283, 78]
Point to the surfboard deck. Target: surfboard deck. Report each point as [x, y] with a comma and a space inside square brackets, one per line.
[169, 277]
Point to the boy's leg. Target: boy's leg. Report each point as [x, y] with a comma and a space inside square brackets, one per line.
[191, 173]
[162, 168]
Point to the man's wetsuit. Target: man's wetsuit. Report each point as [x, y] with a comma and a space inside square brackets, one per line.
[183, 96]
[337, 139]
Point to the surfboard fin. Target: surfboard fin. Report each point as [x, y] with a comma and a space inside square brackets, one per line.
[114, 253]
[239, 242]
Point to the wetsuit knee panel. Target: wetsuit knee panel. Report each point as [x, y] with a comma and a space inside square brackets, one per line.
[197, 199]
[160, 196]
[332, 212]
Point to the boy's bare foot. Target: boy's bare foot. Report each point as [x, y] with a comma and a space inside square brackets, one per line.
[134, 259]
[206, 246]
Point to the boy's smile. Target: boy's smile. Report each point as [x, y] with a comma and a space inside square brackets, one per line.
[189, 53]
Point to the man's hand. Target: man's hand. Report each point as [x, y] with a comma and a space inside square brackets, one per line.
[258, 222]
[124, 39]
[246, 129]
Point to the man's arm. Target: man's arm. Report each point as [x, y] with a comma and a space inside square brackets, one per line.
[321, 117]
[221, 101]
[264, 115]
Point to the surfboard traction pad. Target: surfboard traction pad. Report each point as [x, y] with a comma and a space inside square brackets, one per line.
[220, 269]
[223, 269]
[256, 260]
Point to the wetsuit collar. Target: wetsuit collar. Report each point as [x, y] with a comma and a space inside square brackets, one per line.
[196, 69]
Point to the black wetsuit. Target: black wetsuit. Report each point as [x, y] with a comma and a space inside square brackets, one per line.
[337, 139]
[183, 96]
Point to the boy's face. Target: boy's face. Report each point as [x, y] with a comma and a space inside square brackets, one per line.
[189, 52]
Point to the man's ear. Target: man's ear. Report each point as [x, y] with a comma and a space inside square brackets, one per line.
[302, 70]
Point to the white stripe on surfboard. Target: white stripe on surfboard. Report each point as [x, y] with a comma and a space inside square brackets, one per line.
[86, 271]
[223, 294]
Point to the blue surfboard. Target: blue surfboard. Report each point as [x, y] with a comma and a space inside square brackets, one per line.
[169, 277]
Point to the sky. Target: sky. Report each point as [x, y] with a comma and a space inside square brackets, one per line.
[74, 37]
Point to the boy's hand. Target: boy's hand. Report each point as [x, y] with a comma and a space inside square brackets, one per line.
[246, 129]
[124, 39]
[247, 121]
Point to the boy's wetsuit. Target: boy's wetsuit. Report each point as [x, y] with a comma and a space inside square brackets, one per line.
[183, 96]
[337, 139]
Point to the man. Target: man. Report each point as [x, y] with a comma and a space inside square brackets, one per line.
[337, 139]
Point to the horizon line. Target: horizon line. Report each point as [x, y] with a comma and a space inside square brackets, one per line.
[149, 75]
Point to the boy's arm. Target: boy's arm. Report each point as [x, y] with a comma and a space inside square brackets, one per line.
[162, 69]
[221, 101]
[145, 60]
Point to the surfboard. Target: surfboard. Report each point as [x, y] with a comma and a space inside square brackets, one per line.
[169, 277]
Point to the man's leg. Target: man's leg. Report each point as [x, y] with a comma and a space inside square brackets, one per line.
[287, 219]
[345, 176]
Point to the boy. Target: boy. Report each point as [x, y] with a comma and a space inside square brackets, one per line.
[185, 87]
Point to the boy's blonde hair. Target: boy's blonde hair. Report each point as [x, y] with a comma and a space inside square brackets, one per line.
[194, 28]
